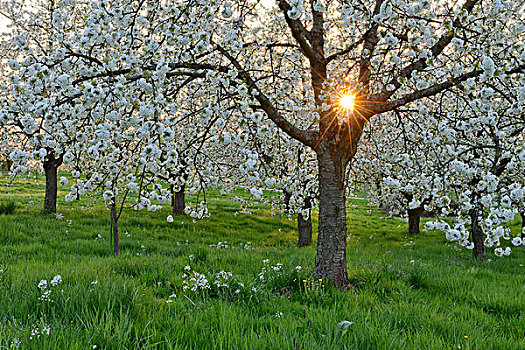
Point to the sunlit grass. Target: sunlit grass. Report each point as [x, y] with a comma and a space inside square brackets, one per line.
[410, 292]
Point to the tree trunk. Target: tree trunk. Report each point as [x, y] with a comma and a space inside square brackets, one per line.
[522, 214]
[304, 225]
[178, 200]
[286, 201]
[8, 163]
[380, 194]
[330, 261]
[114, 239]
[51, 165]
[479, 251]
[414, 218]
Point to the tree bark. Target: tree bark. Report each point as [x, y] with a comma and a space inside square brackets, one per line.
[178, 200]
[114, 239]
[330, 261]
[304, 225]
[286, 201]
[414, 219]
[50, 165]
[479, 251]
[522, 214]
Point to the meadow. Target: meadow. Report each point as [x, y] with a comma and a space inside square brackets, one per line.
[238, 281]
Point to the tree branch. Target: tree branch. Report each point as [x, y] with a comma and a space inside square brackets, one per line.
[370, 39]
[348, 49]
[436, 50]
[299, 32]
[303, 136]
[419, 94]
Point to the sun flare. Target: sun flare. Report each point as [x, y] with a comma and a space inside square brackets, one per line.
[347, 101]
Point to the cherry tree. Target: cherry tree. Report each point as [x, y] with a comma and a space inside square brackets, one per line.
[484, 132]
[352, 61]
[137, 137]
[466, 153]
[206, 141]
[289, 168]
[406, 163]
[32, 89]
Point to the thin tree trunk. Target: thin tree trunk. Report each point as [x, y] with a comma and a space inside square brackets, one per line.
[8, 163]
[380, 194]
[114, 228]
[286, 201]
[330, 261]
[178, 200]
[304, 225]
[110, 236]
[51, 165]
[522, 214]
[414, 219]
[479, 251]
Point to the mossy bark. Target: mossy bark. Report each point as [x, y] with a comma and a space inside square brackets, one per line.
[330, 260]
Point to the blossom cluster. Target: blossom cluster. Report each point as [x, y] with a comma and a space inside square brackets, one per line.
[46, 289]
[43, 330]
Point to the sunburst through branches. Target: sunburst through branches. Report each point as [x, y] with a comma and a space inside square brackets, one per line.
[347, 102]
[347, 110]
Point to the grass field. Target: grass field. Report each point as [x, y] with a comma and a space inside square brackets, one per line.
[410, 292]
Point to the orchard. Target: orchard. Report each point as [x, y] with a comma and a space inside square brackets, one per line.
[319, 132]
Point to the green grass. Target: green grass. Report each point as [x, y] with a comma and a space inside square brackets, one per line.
[411, 292]
[7, 208]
